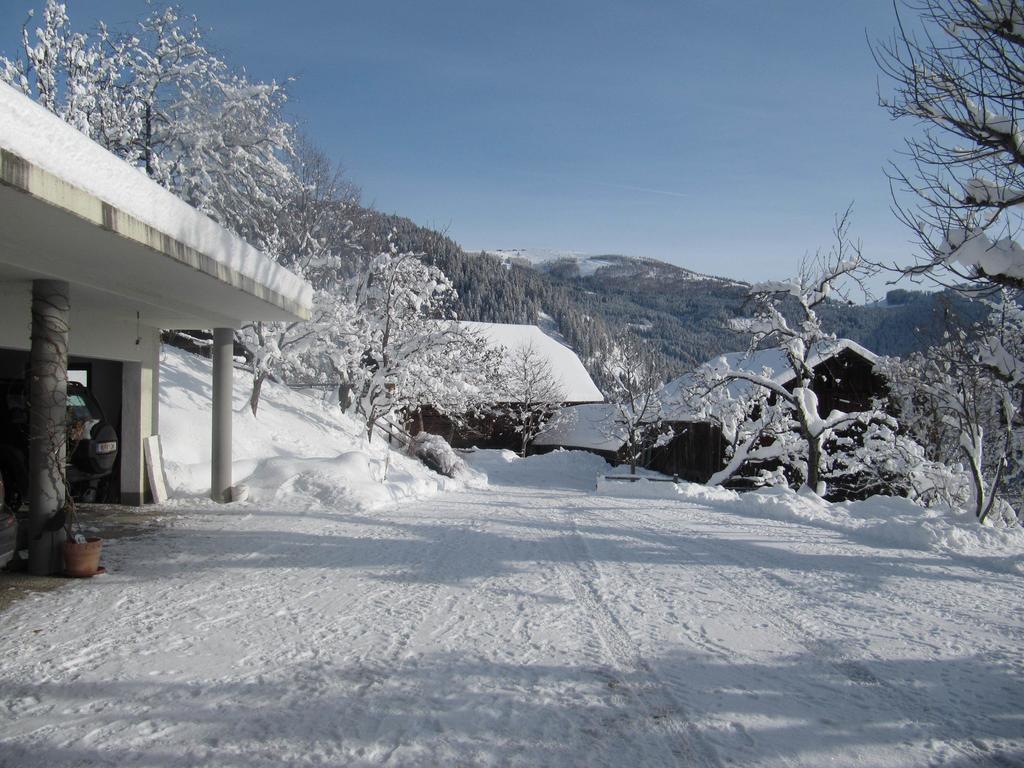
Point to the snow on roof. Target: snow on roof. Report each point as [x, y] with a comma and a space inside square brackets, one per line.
[770, 362]
[591, 426]
[39, 137]
[566, 366]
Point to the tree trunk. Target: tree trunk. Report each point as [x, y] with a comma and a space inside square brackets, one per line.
[813, 463]
[257, 386]
[980, 497]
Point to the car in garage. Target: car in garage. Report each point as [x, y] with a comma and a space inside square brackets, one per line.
[92, 444]
[8, 532]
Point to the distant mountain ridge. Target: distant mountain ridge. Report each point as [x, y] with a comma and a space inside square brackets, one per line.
[578, 264]
[588, 298]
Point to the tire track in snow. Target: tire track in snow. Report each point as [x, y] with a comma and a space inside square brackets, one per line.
[683, 741]
[794, 624]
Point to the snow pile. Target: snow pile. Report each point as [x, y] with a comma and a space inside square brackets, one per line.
[641, 488]
[299, 451]
[888, 522]
[647, 488]
[560, 470]
[881, 521]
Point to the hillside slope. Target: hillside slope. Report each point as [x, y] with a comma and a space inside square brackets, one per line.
[591, 297]
[299, 451]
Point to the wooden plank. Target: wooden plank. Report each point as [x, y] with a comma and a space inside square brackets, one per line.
[155, 468]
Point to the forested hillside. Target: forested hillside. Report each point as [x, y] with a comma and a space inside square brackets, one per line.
[684, 312]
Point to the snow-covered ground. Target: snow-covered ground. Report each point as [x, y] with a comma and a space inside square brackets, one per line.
[299, 450]
[530, 621]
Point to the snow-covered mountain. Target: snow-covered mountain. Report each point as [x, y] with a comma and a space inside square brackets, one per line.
[578, 264]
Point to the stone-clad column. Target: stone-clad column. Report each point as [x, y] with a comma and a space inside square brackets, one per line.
[47, 446]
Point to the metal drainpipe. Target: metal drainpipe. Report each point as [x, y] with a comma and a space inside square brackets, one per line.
[223, 372]
[47, 448]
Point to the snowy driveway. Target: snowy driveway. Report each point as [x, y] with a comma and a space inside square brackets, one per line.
[517, 625]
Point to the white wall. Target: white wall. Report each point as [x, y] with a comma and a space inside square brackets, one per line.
[95, 332]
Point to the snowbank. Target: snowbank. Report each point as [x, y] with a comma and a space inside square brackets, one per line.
[561, 469]
[880, 521]
[891, 522]
[646, 488]
[299, 451]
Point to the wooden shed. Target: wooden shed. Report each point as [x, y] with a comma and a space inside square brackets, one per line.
[845, 379]
[491, 427]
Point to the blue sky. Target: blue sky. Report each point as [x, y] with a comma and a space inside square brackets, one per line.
[721, 136]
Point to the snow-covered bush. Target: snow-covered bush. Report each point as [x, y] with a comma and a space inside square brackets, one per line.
[434, 452]
[879, 458]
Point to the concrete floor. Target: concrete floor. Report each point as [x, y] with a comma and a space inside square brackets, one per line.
[108, 521]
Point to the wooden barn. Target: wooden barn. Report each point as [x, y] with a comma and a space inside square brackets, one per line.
[844, 380]
[492, 428]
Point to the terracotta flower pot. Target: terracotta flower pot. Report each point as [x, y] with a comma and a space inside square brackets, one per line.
[82, 559]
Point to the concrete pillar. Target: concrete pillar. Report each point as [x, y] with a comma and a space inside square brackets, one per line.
[223, 373]
[140, 414]
[47, 449]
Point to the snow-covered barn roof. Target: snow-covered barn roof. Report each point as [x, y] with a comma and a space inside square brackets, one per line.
[769, 362]
[73, 211]
[591, 426]
[565, 364]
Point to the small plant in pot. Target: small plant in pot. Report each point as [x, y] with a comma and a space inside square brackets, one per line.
[81, 552]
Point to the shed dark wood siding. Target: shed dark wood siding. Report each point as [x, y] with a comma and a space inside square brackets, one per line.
[493, 429]
[845, 382]
[695, 453]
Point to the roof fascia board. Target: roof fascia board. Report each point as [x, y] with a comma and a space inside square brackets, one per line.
[20, 174]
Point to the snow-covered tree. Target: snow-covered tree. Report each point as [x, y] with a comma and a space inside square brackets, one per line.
[317, 236]
[72, 76]
[961, 401]
[800, 340]
[758, 432]
[530, 390]
[458, 378]
[400, 304]
[961, 75]
[159, 98]
[632, 373]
